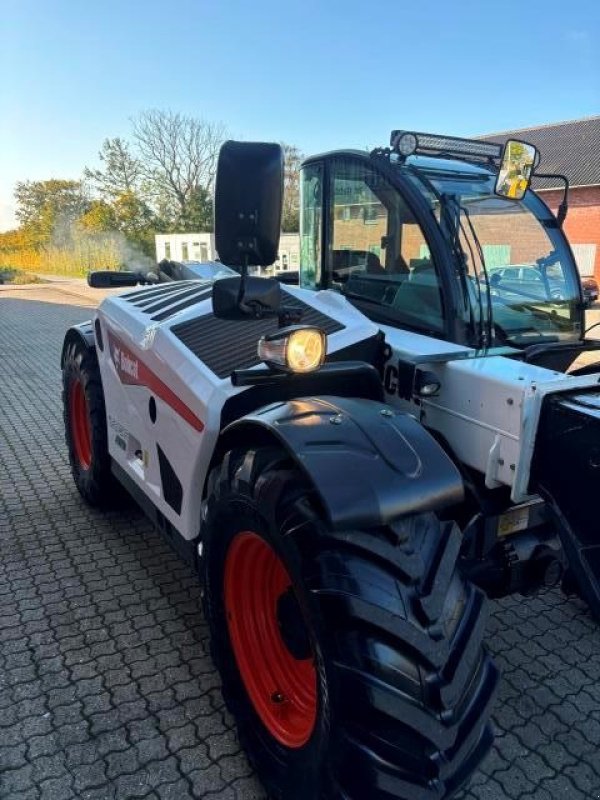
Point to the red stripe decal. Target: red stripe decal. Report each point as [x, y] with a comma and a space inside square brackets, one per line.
[133, 372]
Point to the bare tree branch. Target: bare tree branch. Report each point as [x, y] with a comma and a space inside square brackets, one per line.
[178, 154]
[291, 187]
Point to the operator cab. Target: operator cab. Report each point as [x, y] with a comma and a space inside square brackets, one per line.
[446, 241]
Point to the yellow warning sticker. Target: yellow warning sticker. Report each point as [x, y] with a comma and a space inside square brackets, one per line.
[513, 521]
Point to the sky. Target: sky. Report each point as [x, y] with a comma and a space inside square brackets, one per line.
[320, 74]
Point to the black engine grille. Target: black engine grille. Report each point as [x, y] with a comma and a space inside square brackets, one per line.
[225, 345]
[162, 302]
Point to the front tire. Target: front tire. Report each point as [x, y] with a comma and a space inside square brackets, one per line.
[352, 661]
[86, 436]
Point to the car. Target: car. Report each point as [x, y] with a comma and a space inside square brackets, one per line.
[530, 280]
[167, 271]
[590, 290]
[527, 280]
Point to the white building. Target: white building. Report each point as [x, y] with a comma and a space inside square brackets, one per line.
[201, 247]
[289, 253]
[185, 246]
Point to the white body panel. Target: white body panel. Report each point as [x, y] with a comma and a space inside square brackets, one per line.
[147, 348]
[488, 408]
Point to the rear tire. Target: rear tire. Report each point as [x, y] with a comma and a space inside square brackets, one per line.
[403, 685]
[84, 416]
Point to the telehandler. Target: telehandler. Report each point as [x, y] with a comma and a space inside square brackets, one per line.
[353, 464]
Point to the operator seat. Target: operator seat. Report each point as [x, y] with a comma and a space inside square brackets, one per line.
[420, 292]
[400, 267]
[373, 265]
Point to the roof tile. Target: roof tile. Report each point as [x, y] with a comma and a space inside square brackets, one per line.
[570, 148]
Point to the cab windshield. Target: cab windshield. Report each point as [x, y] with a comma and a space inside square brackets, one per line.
[516, 264]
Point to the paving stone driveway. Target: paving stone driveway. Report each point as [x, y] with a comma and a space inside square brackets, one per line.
[106, 687]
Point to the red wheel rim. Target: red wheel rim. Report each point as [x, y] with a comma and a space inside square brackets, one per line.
[79, 417]
[281, 687]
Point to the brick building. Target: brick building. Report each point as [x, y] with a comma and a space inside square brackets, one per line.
[572, 149]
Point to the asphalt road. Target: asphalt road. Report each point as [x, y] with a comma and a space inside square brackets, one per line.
[106, 687]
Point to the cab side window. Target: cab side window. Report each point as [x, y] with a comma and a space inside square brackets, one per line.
[378, 254]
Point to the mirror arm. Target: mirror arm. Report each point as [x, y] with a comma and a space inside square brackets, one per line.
[256, 310]
[242, 292]
[564, 204]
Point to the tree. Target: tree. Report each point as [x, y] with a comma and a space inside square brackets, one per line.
[290, 222]
[49, 208]
[136, 220]
[99, 218]
[198, 215]
[132, 215]
[121, 170]
[178, 157]
[127, 215]
[17, 239]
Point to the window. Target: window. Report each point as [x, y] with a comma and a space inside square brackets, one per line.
[379, 256]
[534, 295]
[168, 250]
[203, 252]
[185, 256]
[311, 225]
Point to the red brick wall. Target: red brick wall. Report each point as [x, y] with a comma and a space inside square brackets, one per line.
[354, 234]
[494, 229]
[582, 225]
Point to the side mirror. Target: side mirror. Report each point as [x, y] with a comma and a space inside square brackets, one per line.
[248, 203]
[107, 279]
[516, 169]
[233, 298]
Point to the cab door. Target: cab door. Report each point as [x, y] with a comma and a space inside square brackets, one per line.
[360, 236]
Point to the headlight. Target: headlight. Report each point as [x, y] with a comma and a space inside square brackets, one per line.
[297, 348]
[405, 143]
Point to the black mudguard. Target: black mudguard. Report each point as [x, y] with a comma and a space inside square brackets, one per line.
[369, 463]
[566, 471]
[83, 333]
